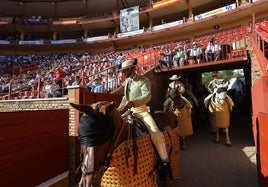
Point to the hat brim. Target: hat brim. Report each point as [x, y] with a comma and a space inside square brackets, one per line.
[127, 67]
[132, 63]
[173, 78]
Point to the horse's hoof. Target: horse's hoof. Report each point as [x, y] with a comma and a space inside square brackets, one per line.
[183, 146]
[216, 141]
[228, 144]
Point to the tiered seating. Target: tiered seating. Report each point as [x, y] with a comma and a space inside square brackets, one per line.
[262, 28]
[91, 65]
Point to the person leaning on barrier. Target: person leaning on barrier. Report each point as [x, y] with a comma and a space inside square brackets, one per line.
[195, 54]
[167, 58]
[213, 51]
[180, 57]
[137, 93]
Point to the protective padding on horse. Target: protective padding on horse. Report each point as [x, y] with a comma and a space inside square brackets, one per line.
[185, 122]
[219, 115]
[173, 148]
[121, 174]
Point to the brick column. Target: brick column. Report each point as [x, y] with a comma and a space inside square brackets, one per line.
[74, 148]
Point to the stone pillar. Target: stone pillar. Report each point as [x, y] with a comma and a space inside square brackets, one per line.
[75, 96]
[85, 33]
[54, 35]
[150, 22]
[117, 28]
[22, 36]
[190, 11]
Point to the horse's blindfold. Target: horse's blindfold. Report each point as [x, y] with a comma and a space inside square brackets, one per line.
[222, 89]
[95, 131]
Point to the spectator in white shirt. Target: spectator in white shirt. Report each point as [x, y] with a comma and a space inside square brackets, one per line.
[195, 53]
[77, 81]
[111, 81]
[180, 57]
[213, 51]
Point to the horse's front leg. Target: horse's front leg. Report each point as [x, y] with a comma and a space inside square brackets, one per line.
[228, 141]
[82, 182]
[87, 168]
[182, 143]
[89, 162]
[217, 140]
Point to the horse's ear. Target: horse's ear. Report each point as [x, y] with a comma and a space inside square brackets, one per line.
[108, 108]
[86, 109]
[226, 84]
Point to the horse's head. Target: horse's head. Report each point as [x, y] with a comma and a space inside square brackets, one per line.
[220, 94]
[97, 131]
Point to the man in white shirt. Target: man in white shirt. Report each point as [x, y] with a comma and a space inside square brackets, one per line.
[111, 81]
[195, 54]
[213, 51]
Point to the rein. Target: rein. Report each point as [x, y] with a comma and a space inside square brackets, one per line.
[109, 152]
[132, 134]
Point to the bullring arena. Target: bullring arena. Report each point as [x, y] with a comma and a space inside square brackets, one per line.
[57, 52]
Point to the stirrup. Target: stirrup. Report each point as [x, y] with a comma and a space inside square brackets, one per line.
[165, 173]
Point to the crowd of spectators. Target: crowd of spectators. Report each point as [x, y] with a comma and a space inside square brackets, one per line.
[42, 70]
[54, 72]
[188, 52]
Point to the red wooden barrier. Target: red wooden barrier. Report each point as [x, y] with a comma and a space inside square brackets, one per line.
[33, 146]
[262, 149]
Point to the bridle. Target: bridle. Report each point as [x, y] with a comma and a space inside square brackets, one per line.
[101, 168]
[219, 97]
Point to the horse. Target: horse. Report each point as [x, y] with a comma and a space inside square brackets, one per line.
[112, 151]
[236, 90]
[194, 111]
[201, 92]
[237, 84]
[182, 108]
[220, 106]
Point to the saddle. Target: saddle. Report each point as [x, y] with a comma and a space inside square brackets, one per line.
[160, 117]
[166, 122]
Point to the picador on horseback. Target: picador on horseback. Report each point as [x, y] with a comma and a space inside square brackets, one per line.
[137, 93]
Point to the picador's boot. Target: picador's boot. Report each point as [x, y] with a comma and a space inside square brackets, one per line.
[165, 173]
